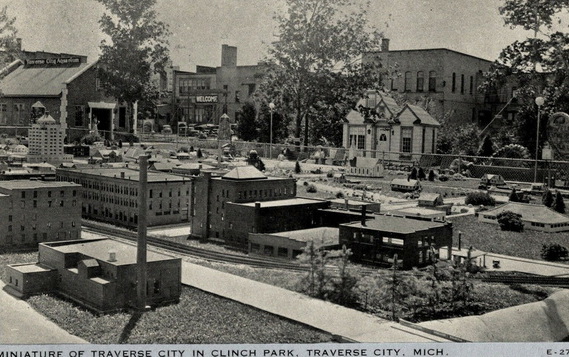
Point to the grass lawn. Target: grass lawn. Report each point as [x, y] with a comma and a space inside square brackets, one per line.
[490, 238]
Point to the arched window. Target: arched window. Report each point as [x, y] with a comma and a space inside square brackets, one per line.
[407, 81]
[420, 81]
[432, 81]
[382, 137]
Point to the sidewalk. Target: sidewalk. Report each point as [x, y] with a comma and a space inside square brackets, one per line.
[322, 315]
[21, 324]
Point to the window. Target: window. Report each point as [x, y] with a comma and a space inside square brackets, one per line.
[361, 142]
[420, 81]
[406, 139]
[23, 194]
[453, 82]
[382, 137]
[471, 87]
[432, 81]
[462, 84]
[237, 97]
[3, 113]
[282, 252]
[407, 81]
[79, 112]
[19, 116]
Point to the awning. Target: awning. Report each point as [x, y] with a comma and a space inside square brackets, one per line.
[102, 105]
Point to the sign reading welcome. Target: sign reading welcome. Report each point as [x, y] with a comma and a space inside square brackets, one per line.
[206, 99]
[52, 62]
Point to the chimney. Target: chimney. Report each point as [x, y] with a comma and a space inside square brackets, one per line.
[112, 256]
[363, 215]
[384, 45]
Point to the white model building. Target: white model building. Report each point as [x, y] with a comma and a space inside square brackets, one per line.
[45, 141]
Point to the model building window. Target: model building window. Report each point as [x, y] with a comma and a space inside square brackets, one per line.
[420, 81]
[3, 113]
[453, 82]
[79, 111]
[406, 136]
[471, 87]
[361, 142]
[432, 81]
[462, 84]
[19, 113]
[407, 81]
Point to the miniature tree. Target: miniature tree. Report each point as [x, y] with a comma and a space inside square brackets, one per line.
[510, 221]
[513, 196]
[547, 198]
[297, 169]
[343, 287]
[554, 252]
[421, 174]
[120, 144]
[559, 204]
[199, 154]
[431, 175]
[413, 175]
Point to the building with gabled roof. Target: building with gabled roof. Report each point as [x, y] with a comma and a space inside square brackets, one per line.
[378, 128]
[534, 217]
[290, 244]
[366, 166]
[67, 87]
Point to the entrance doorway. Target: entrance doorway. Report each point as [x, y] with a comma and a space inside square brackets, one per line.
[103, 117]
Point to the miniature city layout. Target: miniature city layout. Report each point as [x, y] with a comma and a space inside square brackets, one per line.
[413, 208]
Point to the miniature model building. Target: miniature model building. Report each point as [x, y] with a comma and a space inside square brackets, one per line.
[290, 244]
[98, 273]
[38, 211]
[414, 241]
[46, 139]
[536, 217]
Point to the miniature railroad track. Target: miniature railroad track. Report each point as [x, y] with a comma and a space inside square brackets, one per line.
[194, 251]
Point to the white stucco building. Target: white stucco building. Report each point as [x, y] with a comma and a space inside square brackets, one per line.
[389, 131]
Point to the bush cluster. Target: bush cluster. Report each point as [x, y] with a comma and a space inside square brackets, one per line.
[510, 221]
[311, 189]
[478, 198]
[554, 252]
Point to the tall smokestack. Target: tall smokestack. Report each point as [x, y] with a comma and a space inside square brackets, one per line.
[141, 268]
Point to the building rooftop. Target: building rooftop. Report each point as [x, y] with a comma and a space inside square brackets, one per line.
[404, 182]
[46, 81]
[426, 196]
[125, 254]
[394, 224]
[341, 201]
[30, 267]
[129, 174]
[418, 211]
[320, 236]
[530, 212]
[248, 172]
[34, 184]
[284, 202]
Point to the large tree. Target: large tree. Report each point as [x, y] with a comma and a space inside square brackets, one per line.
[313, 72]
[9, 48]
[537, 66]
[136, 50]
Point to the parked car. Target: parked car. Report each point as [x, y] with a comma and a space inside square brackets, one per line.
[167, 130]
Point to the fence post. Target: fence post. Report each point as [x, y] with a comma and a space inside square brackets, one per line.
[459, 164]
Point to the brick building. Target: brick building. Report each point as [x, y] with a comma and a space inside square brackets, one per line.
[202, 96]
[38, 211]
[227, 208]
[98, 273]
[377, 240]
[447, 79]
[67, 87]
[110, 194]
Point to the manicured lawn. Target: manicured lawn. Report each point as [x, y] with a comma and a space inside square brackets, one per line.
[490, 238]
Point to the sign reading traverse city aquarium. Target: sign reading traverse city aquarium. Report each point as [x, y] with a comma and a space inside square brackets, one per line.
[557, 133]
[50, 62]
[206, 99]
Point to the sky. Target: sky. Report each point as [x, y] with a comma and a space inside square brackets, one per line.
[200, 27]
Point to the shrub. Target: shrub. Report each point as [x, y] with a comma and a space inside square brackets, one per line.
[330, 174]
[199, 154]
[413, 175]
[559, 204]
[311, 189]
[554, 252]
[305, 183]
[339, 194]
[510, 221]
[431, 175]
[478, 198]
[297, 169]
[547, 198]
[421, 174]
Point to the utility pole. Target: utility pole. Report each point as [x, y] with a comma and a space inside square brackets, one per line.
[141, 267]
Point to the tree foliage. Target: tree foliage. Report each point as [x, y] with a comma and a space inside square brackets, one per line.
[547, 198]
[246, 123]
[313, 75]
[536, 66]
[136, 50]
[559, 204]
[554, 251]
[510, 221]
[9, 50]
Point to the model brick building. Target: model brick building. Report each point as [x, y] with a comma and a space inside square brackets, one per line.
[376, 241]
[226, 209]
[99, 274]
[111, 194]
[38, 211]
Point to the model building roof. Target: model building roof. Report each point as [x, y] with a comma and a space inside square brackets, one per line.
[394, 224]
[244, 173]
[530, 212]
